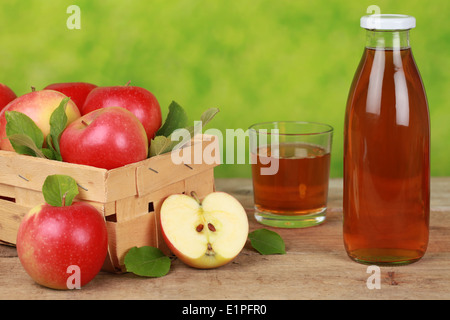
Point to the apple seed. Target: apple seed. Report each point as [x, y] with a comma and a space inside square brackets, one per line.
[211, 227]
[199, 228]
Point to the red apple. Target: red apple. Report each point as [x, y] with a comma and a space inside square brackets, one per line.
[6, 95]
[141, 102]
[39, 106]
[77, 91]
[53, 241]
[104, 138]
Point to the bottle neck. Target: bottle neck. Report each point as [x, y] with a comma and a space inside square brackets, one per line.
[387, 39]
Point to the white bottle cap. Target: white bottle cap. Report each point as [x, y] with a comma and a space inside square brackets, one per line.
[388, 22]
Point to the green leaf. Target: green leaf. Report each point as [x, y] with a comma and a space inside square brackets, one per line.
[162, 144]
[49, 153]
[205, 118]
[267, 242]
[19, 125]
[147, 261]
[58, 122]
[23, 144]
[208, 115]
[59, 190]
[26, 137]
[176, 118]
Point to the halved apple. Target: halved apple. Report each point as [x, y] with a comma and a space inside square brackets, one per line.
[204, 235]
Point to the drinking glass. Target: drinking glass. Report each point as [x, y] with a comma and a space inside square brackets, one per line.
[290, 163]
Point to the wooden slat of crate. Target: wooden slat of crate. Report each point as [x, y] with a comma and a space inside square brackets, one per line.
[31, 198]
[111, 260]
[10, 217]
[98, 184]
[106, 209]
[134, 206]
[138, 232]
[202, 183]
[163, 171]
[28, 198]
[30, 173]
[7, 191]
[120, 183]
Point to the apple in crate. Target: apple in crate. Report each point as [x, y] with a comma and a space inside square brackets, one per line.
[105, 138]
[62, 244]
[141, 102]
[39, 106]
[6, 95]
[77, 91]
[204, 235]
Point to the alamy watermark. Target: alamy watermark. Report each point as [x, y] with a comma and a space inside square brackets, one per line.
[375, 11]
[74, 20]
[374, 280]
[235, 144]
[74, 280]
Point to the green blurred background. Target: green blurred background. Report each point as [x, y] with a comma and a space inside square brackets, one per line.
[257, 60]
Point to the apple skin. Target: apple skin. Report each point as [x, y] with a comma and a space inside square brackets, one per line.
[39, 106]
[6, 95]
[105, 138]
[77, 91]
[50, 239]
[141, 102]
[180, 215]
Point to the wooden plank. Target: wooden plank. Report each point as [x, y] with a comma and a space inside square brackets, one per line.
[137, 232]
[121, 182]
[32, 198]
[11, 215]
[130, 207]
[162, 171]
[107, 209]
[99, 184]
[30, 173]
[29, 198]
[7, 191]
[135, 206]
[202, 183]
[112, 259]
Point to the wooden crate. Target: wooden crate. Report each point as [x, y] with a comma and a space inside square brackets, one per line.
[129, 197]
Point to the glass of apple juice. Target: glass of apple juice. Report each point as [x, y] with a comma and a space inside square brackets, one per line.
[290, 163]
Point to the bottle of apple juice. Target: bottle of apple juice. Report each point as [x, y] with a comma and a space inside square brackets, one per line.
[387, 149]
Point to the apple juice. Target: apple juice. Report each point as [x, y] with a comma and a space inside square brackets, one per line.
[386, 156]
[299, 187]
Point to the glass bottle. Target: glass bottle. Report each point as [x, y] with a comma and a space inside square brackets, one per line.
[387, 150]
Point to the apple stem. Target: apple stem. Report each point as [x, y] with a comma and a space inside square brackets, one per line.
[194, 195]
[128, 83]
[84, 122]
[33, 89]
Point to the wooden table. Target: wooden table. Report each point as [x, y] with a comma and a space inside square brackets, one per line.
[314, 267]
